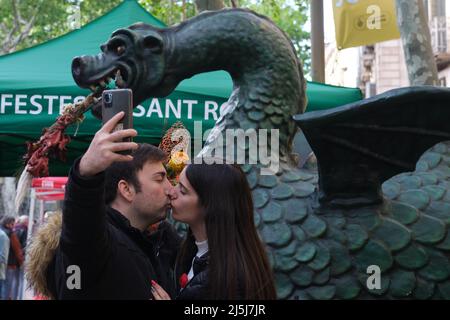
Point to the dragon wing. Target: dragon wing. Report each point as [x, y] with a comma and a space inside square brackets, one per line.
[360, 145]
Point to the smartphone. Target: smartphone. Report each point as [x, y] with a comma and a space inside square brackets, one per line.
[115, 101]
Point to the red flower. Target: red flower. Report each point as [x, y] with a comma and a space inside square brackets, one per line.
[183, 280]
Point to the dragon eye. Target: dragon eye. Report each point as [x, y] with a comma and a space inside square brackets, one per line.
[120, 50]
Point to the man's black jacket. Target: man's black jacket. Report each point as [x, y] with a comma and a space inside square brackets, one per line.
[115, 260]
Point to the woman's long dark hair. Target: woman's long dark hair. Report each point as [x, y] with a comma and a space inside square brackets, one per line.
[238, 264]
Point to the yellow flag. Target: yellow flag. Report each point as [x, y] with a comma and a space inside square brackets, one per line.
[363, 22]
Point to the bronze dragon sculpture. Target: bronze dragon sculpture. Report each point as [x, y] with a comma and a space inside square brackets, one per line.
[377, 196]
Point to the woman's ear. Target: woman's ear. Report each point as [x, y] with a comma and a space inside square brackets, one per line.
[126, 190]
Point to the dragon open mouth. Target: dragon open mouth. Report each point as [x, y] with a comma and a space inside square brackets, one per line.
[117, 76]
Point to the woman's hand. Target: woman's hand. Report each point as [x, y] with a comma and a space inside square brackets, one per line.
[158, 292]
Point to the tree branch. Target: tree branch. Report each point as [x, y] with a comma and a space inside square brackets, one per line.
[3, 28]
[11, 44]
[15, 12]
[15, 27]
[19, 16]
[24, 33]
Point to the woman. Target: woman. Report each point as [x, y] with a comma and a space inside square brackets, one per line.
[222, 256]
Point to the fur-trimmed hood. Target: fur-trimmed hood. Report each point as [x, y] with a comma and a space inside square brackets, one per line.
[41, 252]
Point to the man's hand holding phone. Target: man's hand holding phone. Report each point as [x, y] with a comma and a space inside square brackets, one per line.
[104, 148]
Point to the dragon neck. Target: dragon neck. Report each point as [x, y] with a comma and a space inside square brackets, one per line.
[267, 77]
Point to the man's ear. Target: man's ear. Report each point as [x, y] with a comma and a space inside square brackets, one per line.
[126, 190]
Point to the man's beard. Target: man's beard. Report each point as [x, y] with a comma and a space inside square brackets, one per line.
[163, 214]
[152, 219]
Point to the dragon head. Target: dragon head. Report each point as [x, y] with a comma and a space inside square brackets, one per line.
[136, 54]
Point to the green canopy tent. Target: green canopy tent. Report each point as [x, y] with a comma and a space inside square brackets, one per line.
[36, 83]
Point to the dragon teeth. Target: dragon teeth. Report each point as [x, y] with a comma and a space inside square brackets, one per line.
[119, 81]
[104, 82]
[118, 75]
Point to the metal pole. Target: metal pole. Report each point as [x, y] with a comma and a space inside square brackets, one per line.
[29, 236]
[317, 42]
[41, 211]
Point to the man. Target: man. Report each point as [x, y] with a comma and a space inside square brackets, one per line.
[21, 230]
[103, 252]
[15, 259]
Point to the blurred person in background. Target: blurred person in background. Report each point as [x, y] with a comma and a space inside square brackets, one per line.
[15, 259]
[4, 251]
[21, 230]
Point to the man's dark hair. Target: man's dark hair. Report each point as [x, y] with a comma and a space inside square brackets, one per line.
[127, 170]
[8, 220]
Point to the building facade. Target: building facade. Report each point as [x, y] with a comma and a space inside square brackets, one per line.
[382, 65]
